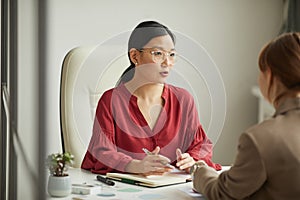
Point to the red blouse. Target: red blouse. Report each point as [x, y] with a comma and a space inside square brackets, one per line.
[120, 131]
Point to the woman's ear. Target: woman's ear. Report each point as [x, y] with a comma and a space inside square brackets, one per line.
[268, 75]
[134, 55]
[273, 85]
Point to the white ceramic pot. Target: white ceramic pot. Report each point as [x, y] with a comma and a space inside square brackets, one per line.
[59, 186]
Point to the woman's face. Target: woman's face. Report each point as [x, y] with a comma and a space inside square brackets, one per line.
[151, 69]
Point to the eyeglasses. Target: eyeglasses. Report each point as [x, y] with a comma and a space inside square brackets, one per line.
[159, 56]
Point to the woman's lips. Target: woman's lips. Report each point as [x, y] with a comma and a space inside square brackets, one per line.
[164, 74]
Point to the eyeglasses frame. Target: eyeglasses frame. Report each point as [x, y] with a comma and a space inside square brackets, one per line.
[165, 53]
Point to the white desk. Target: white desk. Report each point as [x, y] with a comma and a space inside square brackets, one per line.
[125, 191]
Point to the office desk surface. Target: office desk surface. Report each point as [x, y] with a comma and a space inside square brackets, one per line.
[123, 191]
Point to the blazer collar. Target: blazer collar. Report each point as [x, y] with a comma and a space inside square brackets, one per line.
[287, 105]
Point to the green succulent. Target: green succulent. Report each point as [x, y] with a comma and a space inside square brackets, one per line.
[59, 162]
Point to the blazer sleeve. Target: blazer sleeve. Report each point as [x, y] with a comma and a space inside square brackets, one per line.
[239, 181]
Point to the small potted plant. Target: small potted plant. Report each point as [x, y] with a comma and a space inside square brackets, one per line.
[59, 182]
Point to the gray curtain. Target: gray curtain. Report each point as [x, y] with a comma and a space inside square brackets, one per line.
[292, 17]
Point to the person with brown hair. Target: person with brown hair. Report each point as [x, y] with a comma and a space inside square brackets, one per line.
[267, 164]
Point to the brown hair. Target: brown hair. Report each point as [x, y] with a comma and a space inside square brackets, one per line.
[282, 57]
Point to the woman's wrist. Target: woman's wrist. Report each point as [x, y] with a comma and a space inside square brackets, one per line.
[133, 166]
[196, 166]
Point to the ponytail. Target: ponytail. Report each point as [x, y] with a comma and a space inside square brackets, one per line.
[127, 75]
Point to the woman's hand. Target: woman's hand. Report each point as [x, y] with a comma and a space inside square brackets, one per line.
[153, 164]
[184, 161]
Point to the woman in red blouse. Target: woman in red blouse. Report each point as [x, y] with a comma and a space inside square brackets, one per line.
[144, 112]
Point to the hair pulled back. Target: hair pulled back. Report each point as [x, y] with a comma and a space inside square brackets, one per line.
[282, 57]
[140, 36]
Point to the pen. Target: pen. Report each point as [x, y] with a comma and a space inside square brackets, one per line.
[105, 180]
[162, 162]
[147, 151]
[127, 180]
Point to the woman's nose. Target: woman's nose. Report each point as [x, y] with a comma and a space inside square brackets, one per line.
[167, 62]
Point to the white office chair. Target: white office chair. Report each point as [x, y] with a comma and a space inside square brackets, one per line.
[87, 71]
[70, 135]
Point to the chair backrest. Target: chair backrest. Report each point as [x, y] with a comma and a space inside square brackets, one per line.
[87, 71]
[71, 140]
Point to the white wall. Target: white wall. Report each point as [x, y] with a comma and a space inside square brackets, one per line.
[232, 32]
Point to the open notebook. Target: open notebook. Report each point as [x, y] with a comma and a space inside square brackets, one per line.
[171, 178]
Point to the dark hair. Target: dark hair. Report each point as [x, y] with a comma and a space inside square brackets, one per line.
[140, 36]
[282, 57]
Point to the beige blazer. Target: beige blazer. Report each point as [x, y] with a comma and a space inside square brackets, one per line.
[267, 165]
